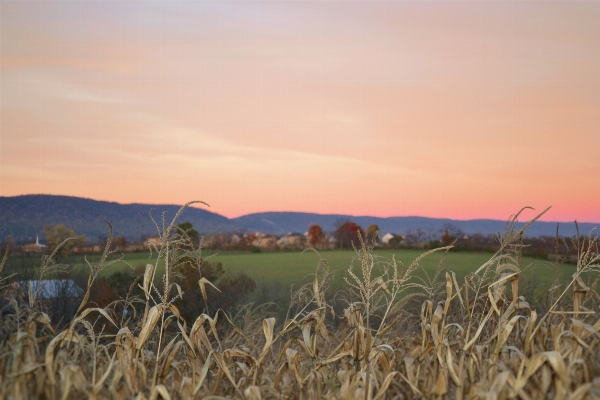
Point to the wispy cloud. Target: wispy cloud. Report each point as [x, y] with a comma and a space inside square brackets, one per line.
[431, 108]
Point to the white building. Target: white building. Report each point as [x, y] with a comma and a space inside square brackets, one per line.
[36, 247]
[386, 238]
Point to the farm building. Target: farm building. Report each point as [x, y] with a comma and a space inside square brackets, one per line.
[387, 237]
[265, 242]
[292, 240]
[153, 242]
[58, 297]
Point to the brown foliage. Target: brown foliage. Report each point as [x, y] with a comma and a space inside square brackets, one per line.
[346, 235]
[447, 239]
[316, 236]
[372, 232]
[61, 239]
[102, 293]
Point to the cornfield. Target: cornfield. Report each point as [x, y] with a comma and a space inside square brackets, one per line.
[399, 336]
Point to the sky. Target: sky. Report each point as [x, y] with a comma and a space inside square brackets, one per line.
[463, 110]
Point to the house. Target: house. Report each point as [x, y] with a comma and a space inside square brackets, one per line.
[153, 242]
[86, 249]
[292, 240]
[265, 242]
[235, 239]
[387, 237]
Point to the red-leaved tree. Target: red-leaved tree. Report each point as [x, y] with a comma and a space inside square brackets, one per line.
[316, 236]
[347, 234]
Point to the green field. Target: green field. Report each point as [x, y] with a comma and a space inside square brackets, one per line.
[275, 273]
[295, 268]
[284, 269]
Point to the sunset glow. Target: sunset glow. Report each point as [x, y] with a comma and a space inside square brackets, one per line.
[443, 109]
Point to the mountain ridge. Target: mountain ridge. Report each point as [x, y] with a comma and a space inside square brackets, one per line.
[400, 225]
[23, 217]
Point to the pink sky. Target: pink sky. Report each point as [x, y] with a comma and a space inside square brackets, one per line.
[443, 109]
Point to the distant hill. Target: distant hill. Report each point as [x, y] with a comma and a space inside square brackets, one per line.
[283, 222]
[23, 217]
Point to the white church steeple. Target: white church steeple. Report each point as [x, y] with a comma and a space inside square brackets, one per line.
[37, 241]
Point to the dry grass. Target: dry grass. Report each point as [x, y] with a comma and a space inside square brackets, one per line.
[473, 339]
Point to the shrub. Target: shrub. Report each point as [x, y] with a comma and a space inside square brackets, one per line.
[229, 293]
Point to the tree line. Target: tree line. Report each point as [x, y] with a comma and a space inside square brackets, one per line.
[345, 236]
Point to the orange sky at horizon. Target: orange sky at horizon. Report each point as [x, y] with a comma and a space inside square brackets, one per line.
[463, 110]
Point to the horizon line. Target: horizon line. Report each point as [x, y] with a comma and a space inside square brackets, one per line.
[298, 212]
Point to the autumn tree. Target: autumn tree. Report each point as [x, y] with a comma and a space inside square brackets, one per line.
[316, 236]
[415, 236]
[347, 234]
[372, 234]
[215, 241]
[187, 229]
[121, 282]
[120, 243]
[450, 233]
[447, 238]
[56, 235]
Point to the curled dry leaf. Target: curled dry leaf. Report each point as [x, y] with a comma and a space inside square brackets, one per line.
[203, 282]
[153, 316]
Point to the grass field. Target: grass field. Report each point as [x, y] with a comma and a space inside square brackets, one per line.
[295, 267]
[290, 268]
[279, 271]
